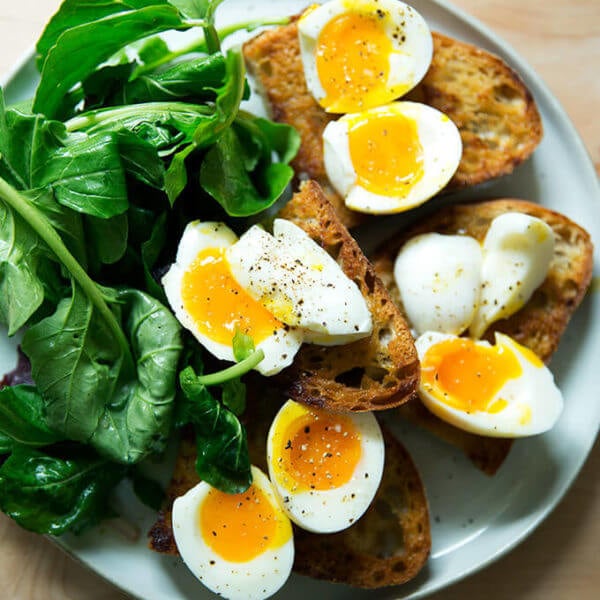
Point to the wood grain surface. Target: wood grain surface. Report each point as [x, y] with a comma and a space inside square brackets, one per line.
[561, 559]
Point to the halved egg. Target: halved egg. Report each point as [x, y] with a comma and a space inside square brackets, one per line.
[451, 283]
[503, 390]
[237, 545]
[360, 54]
[300, 283]
[208, 300]
[391, 158]
[325, 467]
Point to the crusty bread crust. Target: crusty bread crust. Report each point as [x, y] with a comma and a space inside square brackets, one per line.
[497, 117]
[539, 325]
[375, 373]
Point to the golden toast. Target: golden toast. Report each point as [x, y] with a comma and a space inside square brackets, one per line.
[494, 111]
[539, 325]
[377, 372]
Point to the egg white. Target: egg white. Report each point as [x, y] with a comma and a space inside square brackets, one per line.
[407, 30]
[255, 579]
[439, 279]
[534, 402]
[327, 511]
[442, 151]
[300, 283]
[279, 348]
[517, 252]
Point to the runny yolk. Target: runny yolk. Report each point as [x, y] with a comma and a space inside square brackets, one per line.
[386, 153]
[353, 62]
[467, 376]
[219, 305]
[239, 527]
[320, 451]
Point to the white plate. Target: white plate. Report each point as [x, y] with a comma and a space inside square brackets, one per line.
[475, 519]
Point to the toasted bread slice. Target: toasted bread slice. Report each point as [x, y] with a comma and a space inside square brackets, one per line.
[387, 546]
[497, 117]
[374, 373]
[539, 325]
[498, 120]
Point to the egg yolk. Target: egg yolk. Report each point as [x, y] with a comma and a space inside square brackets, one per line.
[353, 62]
[320, 451]
[386, 153]
[240, 527]
[467, 376]
[219, 305]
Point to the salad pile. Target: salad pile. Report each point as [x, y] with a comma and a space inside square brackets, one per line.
[125, 141]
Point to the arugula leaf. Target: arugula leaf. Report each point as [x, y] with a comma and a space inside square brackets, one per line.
[83, 47]
[221, 441]
[91, 393]
[22, 419]
[52, 493]
[79, 12]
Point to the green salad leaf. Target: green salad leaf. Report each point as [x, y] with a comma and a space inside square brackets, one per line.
[50, 493]
[69, 61]
[22, 417]
[221, 441]
[92, 394]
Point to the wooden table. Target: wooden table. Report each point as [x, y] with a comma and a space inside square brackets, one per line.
[561, 560]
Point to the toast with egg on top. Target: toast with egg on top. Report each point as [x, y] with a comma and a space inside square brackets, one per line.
[494, 111]
[538, 325]
[387, 546]
[377, 372]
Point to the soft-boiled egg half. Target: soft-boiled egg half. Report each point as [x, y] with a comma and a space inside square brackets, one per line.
[325, 467]
[391, 158]
[237, 545]
[358, 54]
[502, 390]
[210, 303]
[449, 283]
[279, 289]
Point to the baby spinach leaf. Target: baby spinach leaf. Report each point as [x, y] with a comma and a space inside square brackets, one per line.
[22, 417]
[190, 81]
[241, 192]
[195, 9]
[91, 393]
[53, 494]
[75, 364]
[243, 345]
[83, 47]
[221, 441]
[137, 420]
[227, 103]
[85, 172]
[107, 238]
[6, 444]
[234, 396]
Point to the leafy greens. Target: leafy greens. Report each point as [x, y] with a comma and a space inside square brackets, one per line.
[125, 141]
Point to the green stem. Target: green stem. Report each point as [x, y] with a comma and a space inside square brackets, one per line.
[234, 371]
[36, 220]
[96, 117]
[200, 46]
